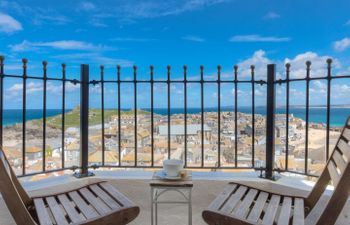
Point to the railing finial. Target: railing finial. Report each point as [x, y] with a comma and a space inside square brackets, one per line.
[252, 69]
[102, 74]
[235, 67]
[44, 64]
[329, 72]
[185, 72]
[2, 59]
[118, 72]
[45, 68]
[168, 73]
[329, 61]
[63, 71]
[252, 72]
[135, 72]
[24, 62]
[308, 64]
[219, 73]
[287, 70]
[151, 68]
[201, 69]
[202, 72]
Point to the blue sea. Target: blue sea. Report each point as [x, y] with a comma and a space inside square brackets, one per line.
[13, 116]
[316, 114]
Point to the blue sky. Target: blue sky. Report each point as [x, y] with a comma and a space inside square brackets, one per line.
[193, 32]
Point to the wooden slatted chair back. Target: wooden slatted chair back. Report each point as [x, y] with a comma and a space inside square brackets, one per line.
[15, 197]
[337, 172]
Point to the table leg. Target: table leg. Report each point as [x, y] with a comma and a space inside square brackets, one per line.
[152, 197]
[190, 207]
[156, 208]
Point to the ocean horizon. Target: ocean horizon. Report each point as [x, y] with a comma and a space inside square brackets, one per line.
[316, 114]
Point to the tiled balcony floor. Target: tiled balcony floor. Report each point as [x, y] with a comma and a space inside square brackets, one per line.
[135, 185]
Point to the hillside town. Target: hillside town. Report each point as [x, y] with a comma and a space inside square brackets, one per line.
[196, 141]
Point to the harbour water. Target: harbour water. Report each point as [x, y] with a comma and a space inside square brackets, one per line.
[316, 114]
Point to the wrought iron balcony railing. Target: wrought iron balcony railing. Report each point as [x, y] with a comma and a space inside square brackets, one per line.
[222, 155]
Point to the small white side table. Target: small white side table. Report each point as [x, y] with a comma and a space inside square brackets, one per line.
[160, 187]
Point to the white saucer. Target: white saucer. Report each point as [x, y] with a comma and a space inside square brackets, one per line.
[173, 178]
[162, 175]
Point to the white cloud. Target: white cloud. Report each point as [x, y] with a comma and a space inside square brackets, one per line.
[131, 39]
[318, 87]
[15, 88]
[319, 90]
[297, 94]
[341, 91]
[8, 24]
[61, 45]
[35, 14]
[122, 11]
[97, 23]
[318, 66]
[155, 9]
[131, 11]
[258, 38]
[342, 44]
[37, 87]
[259, 92]
[298, 65]
[259, 60]
[94, 58]
[239, 92]
[271, 15]
[87, 6]
[25, 46]
[193, 38]
[43, 17]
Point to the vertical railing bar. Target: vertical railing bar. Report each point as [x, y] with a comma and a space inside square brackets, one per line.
[152, 114]
[135, 114]
[236, 109]
[63, 112]
[44, 114]
[270, 120]
[84, 120]
[202, 114]
[308, 64]
[169, 122]
[185, 111]
[329, 79]
[103, 115]
[219, 115]
[119, 119]
[252, 67]
[287, 115]
[2, 58]
[24, 103]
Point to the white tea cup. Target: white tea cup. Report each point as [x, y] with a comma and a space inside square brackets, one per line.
[172, 167]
